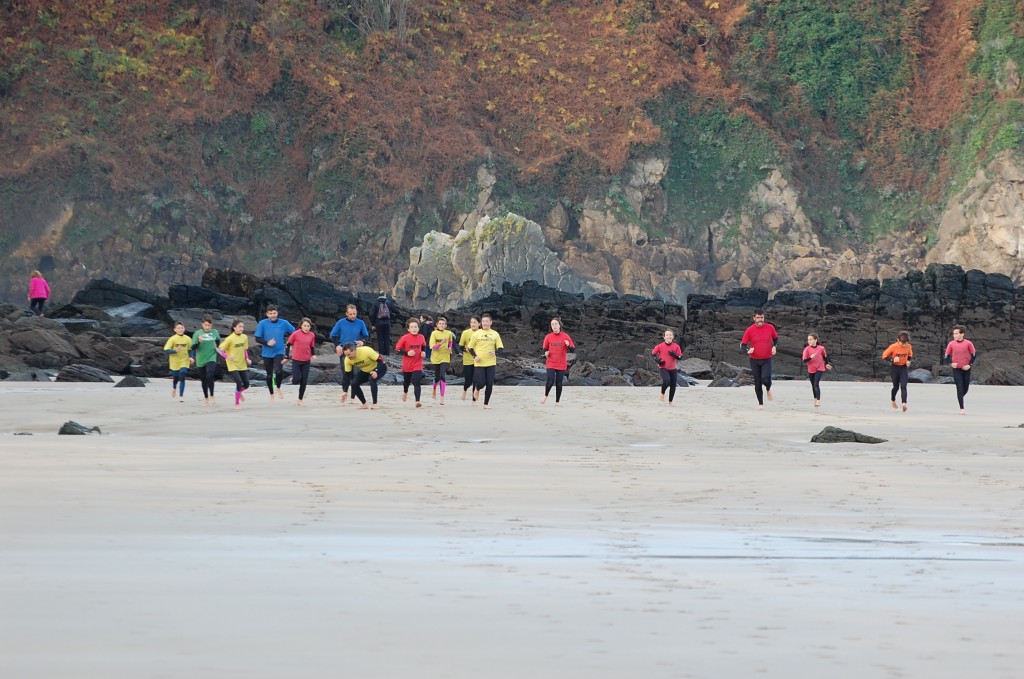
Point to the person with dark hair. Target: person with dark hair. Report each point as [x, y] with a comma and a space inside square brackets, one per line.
[441, 344]
[177, 349]
[665, 354]
[235, 350]
[961, 355]
[270, 334]
[899, 354]
[556, 345]
[371, 369]
[760, 342]
[485, 346]
[383, 311]
[468, 366]
[300, 348]
[816, 358]
[412, 346]
[349, 328]
[426, 327]
[204, 350]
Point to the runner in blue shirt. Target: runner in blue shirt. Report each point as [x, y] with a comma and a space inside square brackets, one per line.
[352, 329]
[271, 334]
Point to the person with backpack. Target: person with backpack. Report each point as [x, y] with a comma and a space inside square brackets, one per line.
[383, 310]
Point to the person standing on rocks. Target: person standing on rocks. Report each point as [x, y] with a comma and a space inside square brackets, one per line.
[899, 354]
[816, 358]
[371, 369]
[961, 355]
[665, 354]
[271, 334]
[38, 293]
[352, 329]
[413, 348]
[556, 345]
[760, 341]
[301, 346]
[235, 350]
[467, 358]
[485, 345]
[177, 347]
[383, 310]
[440, 343]
[204, 350]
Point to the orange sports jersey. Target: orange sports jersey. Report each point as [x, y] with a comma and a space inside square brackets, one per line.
[900, 353]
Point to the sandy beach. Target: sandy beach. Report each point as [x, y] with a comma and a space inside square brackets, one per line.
[608, 537]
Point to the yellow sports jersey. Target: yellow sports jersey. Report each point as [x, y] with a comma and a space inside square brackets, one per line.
[444, 354]
[235, 347]
[365, 359]
[467, 358]
[181, 345]
[485, 343]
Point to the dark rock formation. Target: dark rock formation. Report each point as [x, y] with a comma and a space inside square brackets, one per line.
[836, 435]
[83, 373]
[131, 381]
[72, 428]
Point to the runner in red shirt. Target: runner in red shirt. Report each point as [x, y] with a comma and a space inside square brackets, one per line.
[557, 345]
[961, 356]
[760, 341]
[816, 358]
[300, 347]
[413, 348]
[665, 355]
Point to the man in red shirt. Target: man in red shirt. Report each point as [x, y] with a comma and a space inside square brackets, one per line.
[760, 341]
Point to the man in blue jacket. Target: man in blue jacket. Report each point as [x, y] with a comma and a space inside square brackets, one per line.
[348, 329]
[271, 334]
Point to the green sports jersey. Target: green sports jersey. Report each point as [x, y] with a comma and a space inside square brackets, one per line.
[205, 343]
[445, 339]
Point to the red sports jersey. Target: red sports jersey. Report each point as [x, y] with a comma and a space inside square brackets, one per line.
[665, 353]
[416, 343]
[557, 345]
[303, 345]
[761, 338]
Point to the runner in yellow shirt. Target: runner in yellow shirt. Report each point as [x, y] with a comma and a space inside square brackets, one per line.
[235, 350]
[371, 369]
[485, 346]
[467, 358]
[441, 344]
[177, 349]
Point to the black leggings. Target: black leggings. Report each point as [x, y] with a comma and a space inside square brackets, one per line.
[762, 370]
[416, 378]
[554, 379]
[241, 378]
[208, 377]
[483, 378]
[669, 380]
[300, 376]
[898, 374]
[467, 376]
[815, 378]
[439, 370]
[275, 371]
[360, 377]
[962, 380]
[36, 305]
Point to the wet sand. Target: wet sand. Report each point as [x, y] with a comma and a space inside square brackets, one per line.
[608, 537]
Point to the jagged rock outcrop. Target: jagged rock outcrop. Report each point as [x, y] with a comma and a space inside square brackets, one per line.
[984, 227]
[452, 271]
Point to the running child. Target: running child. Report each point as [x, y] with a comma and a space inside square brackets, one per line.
[412, 346]
[556, 345]
[204, 349]
[270, 335]
[235, 350]
[300, 348]
[816, 358]
[177, 348]
[485, 346]
[961, 356]
[467, 358]
[665, 354]
[441, 343]
[899, 354]
[371, 369]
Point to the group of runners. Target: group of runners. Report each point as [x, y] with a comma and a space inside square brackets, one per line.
[761, 339]
[480, 345]
[280, 342]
